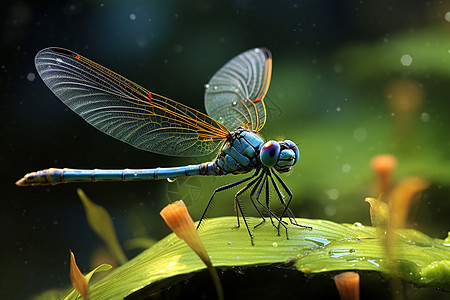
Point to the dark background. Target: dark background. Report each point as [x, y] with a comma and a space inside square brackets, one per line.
[334, 62]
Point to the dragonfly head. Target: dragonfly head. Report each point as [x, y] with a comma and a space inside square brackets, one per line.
[281, 155]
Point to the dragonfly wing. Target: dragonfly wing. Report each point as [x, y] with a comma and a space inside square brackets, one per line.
[125, 110]
[235, 94]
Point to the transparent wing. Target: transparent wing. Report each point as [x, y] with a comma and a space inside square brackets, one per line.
[125, 110]
[234, 95]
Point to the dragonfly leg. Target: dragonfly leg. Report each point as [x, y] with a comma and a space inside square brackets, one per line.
[271, 213]
[287, 209]
[281, 197]
[245, 221]
[260, 178]
[223, 188]
[237, 206]
[267, 202]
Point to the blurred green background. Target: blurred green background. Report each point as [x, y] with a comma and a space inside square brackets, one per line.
[350, 80]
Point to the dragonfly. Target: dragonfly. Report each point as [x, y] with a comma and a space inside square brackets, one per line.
[234, 101]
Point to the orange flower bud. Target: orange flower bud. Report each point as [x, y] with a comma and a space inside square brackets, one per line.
[347, 284]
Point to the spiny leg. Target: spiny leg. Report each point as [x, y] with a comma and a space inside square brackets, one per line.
[245, 222]
[237, 206]
[223, 188]
[286, 205]
[267, 201]
[288, 191]
[280, 221]
[253, 202]
[281, 197]
[256, 206]
[271, 213]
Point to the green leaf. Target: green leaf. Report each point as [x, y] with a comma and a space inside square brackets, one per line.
[100, 221]
[328, 246]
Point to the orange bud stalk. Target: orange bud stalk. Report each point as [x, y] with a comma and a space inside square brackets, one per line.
[78, 280]
[347, 284]
[383, 166]
[401, 197]
[178, 219]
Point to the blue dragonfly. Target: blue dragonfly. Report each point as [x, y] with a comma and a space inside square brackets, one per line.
[234, 100]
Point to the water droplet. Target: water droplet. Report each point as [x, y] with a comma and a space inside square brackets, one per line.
[340, 253]
[299, 256]
[305, 270]
[373, 262]
[31, 76]
[330, 210]
[237, 257]
[425, 117]
[206, 86]
[358, 224]
[346, 168]
[333, 194]
[275, 244]
[406, 60]
[171, 179]
[447, 16]
[132, 17]
[229, 243]
[317, 240]
[215, 87]
[360, 134]
[234, 103]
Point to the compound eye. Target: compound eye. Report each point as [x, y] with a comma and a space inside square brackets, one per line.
[269, 153]
[294, 148]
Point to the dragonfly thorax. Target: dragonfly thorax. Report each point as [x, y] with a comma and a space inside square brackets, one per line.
[245, 150]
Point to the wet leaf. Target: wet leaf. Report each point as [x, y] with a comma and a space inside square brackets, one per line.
[100, 221]
[328, 246]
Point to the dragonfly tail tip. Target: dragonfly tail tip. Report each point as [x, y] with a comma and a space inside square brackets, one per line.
[21, 182]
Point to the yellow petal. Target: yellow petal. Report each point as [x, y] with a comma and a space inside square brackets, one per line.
[178, 219]
[76, 277]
